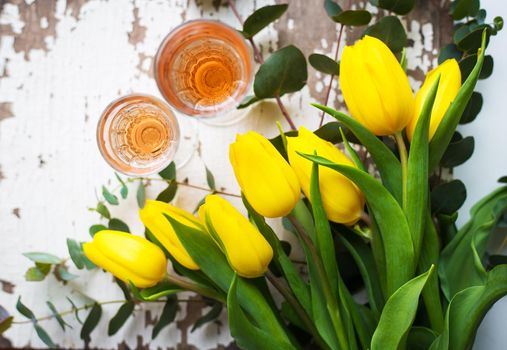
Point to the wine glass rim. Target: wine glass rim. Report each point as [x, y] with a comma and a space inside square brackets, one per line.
[175, 30]
[100, 128]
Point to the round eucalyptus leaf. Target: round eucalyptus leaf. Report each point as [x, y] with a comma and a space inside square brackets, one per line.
[353, 18]
[447, 198]
[498, 22]
[262, 18]
[283, 72]
[472, 109]
[390, 30]
[449, 51]
[400, 7]
[469, 38]
[324, 64]
[458, 152]
[464, 8]
[332, 8]
[467, 64]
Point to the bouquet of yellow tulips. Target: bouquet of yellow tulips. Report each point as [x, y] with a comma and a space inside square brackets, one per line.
[331, 201]
[357, 188]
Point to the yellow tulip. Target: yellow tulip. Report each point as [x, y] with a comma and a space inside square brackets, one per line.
[247, 251]
[375, 87]
[448, 86]
[152, 216]
[342, 200]
[266, 179]
[128, 257]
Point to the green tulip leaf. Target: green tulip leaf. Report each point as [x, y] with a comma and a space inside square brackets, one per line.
[353, 17]
[467, 309]
[387, 164]
[122, 315]
[283, 72]
[261, 18]
[416, 200]
[398, 314]
[420, 338]
[472, 109]
[352, 152]
[162, 289]
[213, 263]
[400, 7]
[167, 316]
[468, 247]
[448, 52]
[248, 335]
[169, 173]
[390, 30]
[448, 125]
[464, 8]
[281, 258]
[91, 322]
[394, 229]
[430, 254]
[332, 8]
[324, 64]
[363, 257]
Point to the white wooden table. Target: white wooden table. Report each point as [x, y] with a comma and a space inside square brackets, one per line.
[61, 63]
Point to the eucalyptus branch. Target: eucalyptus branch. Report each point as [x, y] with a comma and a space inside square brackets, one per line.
[259, 59]
[90, 305]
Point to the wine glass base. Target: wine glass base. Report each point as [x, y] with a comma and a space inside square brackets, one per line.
[189, 140]
[230, 118]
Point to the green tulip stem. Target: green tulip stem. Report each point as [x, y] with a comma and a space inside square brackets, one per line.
[289, 297]
[402, 149]
[334, 311]
[193, 287]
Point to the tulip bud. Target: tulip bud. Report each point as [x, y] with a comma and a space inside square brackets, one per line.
[152, 216]
[128, 257]
[247, 251]
[448, 86]
[266, 179]
[375, 87]
[342, 200]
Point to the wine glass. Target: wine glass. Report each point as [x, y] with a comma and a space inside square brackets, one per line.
[203, 68]
[138, 134]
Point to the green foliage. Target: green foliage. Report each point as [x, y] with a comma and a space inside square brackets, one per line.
[162, 289]
[472, 109]
[57, 316]
[43, 335]
[448, 197]
[400, 7]
[121, 316]
[169, 173]
[43, 258]
[283, 72]
[5, 320]
[353, 17]
[91, 322]
[261, 18]
[38, 272]
[390, 30]
[448, 52]
[324, 64]
[103, 211]
[458, 152]
[332, 8]
[248, 101]
[109, 197]
[398, 314]
[464, 8]
[167, 316]
[210, 179]
[211, 315]
[124, 190]
[118, 225]
[168, 194]
[141, 194]
[96, 228]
